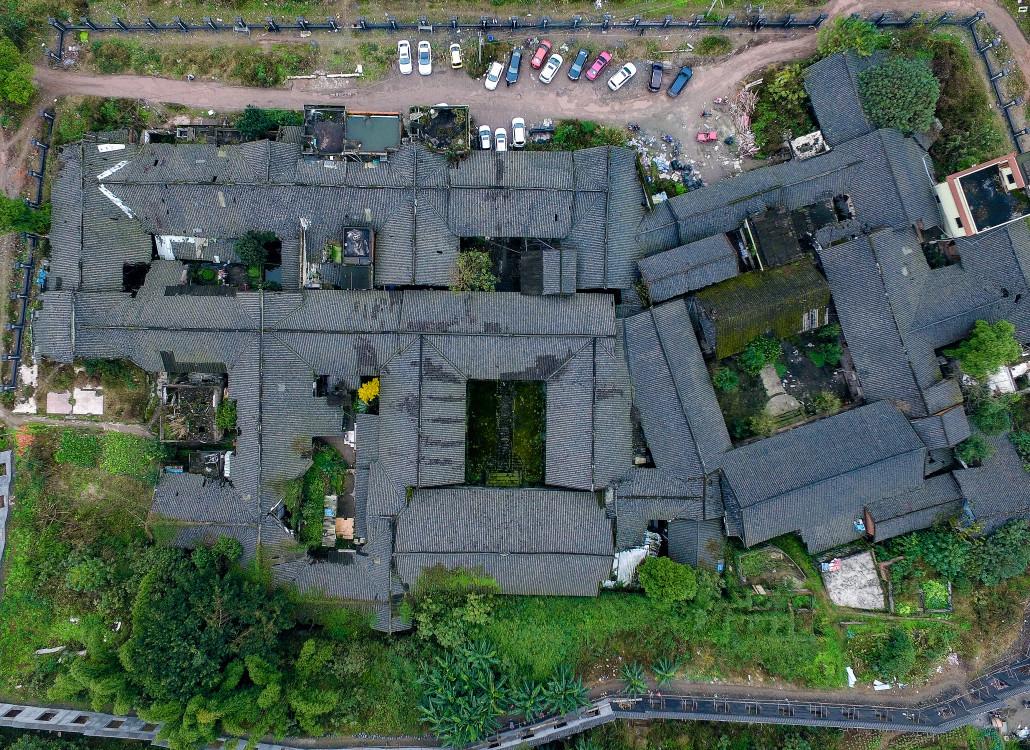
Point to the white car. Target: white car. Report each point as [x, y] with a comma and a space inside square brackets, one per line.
[500, 140]
[425, 58]
[551, 68]
[493, 75]
[404, 56]
[624, 73]
[455, 55]
[518, 133]
[485, 136]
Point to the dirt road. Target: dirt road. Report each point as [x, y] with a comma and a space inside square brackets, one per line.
[9, 418]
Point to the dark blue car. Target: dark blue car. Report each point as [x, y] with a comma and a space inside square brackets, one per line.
[577, 65]
[681, 80]
[513, 67]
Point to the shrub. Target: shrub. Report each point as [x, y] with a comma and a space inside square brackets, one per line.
[713, 46]
[846, 33]
[830, 332]
[945, 551]
[974, 449]
[987, 348]
[900, 93]
[826, 402]
[78, 449]
[475, 272]
[666, 581]
[726, 379]
[633, 675]
[1021, 440]
[225, 415]
[988, 413]
[896, 657]
[828, 353]
[760, 352]
[452, 606]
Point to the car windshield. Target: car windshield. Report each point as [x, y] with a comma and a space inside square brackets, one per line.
[492, 75]
[424, 55]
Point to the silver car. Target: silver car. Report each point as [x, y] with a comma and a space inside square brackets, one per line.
[547, 74]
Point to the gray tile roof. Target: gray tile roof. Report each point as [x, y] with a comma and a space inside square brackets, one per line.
[938, 499]
[1000, 488]
[682, 422]
[532, 541]
[944, 430]
[832, 85]
[817, 478]
[688, 267]
[696, 543]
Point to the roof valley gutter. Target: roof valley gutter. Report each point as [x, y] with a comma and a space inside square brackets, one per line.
[414, 217]
[607, 217]
[261, 398]
[418, 436]
[593, 413]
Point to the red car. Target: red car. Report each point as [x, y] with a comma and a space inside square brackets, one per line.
[708, 135]
[541, 53]
[595, 70]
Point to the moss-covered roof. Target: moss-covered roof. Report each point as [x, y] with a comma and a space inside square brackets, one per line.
[782, 301]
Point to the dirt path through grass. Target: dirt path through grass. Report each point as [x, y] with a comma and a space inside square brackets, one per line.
[19, 419]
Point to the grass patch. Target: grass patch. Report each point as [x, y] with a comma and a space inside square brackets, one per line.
[529, 417]
[250, 65]
[714, 635]
[481, 426]
[67, 518]
[713, 46]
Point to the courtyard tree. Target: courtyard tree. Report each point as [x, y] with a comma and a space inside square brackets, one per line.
[900, 93]
[475, 272]
[253, 247]
[254, 123]
[987, 348]
[667, 581]
[452, 606]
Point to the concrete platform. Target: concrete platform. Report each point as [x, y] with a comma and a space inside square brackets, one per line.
[856, 584]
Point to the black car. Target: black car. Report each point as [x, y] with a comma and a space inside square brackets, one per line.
[513, 67]
[577, 65]
[681, 80]
[655, 82]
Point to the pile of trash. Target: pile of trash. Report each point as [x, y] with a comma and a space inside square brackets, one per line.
[663, 153]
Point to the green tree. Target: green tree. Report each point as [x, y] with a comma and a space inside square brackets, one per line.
[225, 415]
[987, 348]
[254, 123]
[18, 86]
[1021, 441]
[826, 402]
[464, 695]
[1004, 554]
[474, 273]
[896, 656]
[788, 86]
[633, 675]
[529, 699]
[86, 574]
[664, 670]
[795, 741]
[452, 606]
[846, 33]
[253, 247]
[564, 691]
[667, 581]
[974, 449]
[901, 93]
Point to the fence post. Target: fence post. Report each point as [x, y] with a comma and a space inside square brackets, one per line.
[150, 24]
[606, 21]
[119, 23]
[392, 21]
[56, 23]
[303, 23]
[944, 17]
[332, 24]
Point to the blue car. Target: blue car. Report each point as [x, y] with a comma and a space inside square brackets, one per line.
[513, 67]
[681, 80]
[577, 65]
